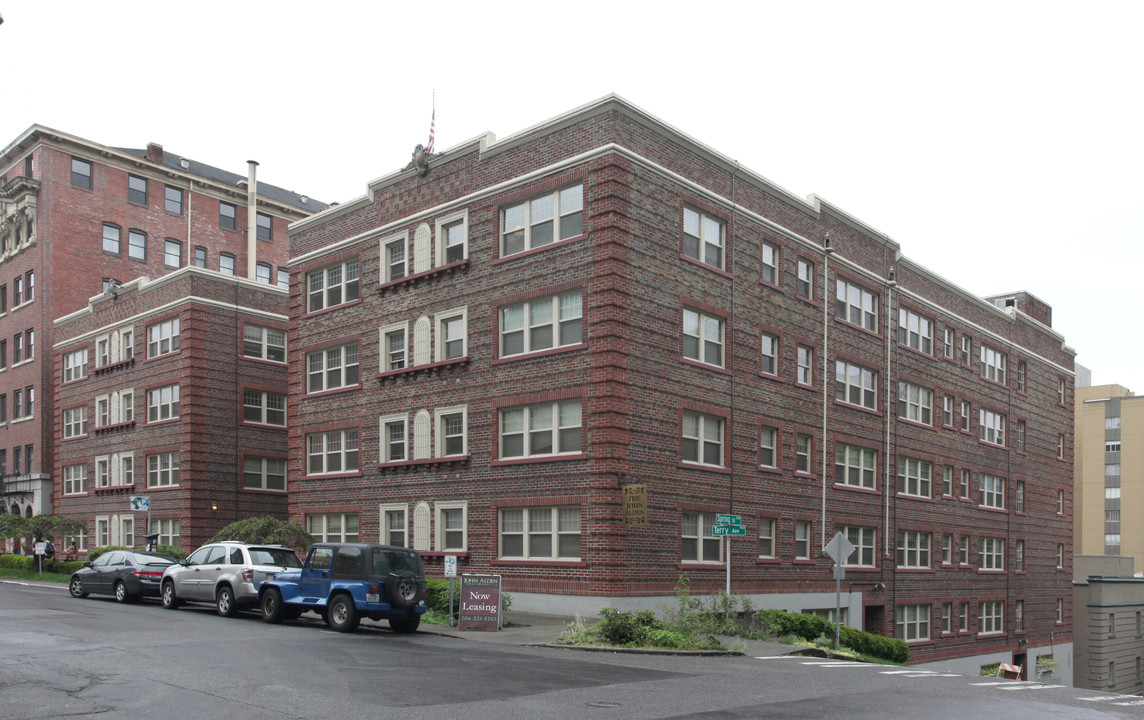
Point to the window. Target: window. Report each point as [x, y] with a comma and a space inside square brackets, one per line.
[332, 368]
[1020, 436]
[702, 237]
[801, 540]
[856, 305]
[262, 272]
[394, 529]
[284, 278]
[703, 439]
[1019, 497]
[770, 353]
[1112, 446]
[770, 264]
[963, 617]
[913, 623]
[393, 258]
[172, 253]
[333, 527]
[264, 343]
[913, 549]
[991, 553]
[915, 403]
[947, 343]
[163, 470]
[966, 349]
[854, 466]
[163, 337]
[863, 540]
[451, 435]
[264, 408]
[102, 532]
[80, 173]
[200, 256]
[805, 374]
[541, 430]
[452, 238]
[543, 220]
[394, 438]
[992, 490]
[18, 291]
[1021, 376]
[17, 348]
[703, 337]
[75, 479]
[1060, 391]
[137, 189]
[991, 617]
[855, 385]
[964, 413]
[173, 200]
[947, 481]
[802, 450]
[540, 533]
[1060, 502]
[992, 428]
[452, 534]
[914, 477]
[768, 447]
[75, 422]
[116, 408]
[263, 227]
[163, 403]
[136, 245]
[227, 215]
[947, 549]
[1060, 556]
[946, 618]
[1060, 611]
[916, 331]
[226, 263]
[75, 365]
[766, 537]
[541, 324]
[167, 530]
[947, 410]
[394, 352]
[263, 473]
[1060, 446]
[111, 244]
[333, 285]
[992, 364]
[804, 284]
[1019, 556]
[332, 452]
[699, 545]
[17, 404]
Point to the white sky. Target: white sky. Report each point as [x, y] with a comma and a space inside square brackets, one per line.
[1000, 143]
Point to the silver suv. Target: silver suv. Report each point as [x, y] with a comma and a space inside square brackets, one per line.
[225, 573]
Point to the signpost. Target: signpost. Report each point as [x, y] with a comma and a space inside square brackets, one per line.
[450, 572]
[728, 525]
[838, 549]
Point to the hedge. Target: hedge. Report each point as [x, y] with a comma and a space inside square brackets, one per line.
[28, 562]
[812, 627]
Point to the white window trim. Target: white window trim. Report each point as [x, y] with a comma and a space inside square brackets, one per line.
[996, 617]
[704, 241]
[703, 527]
[383, 525]
[920, 412]
[702, 340]
[923, 476]
[264, 474]
[902, 622]
[844, 307]
[553, 407]
[104, 520]
[439, 320]
[439, 234]
[81, 480]
[386, 271]
[768, 523]
[439, 525]
[994, 559]
[922, 547]
[383, 351]
[858, 548]
[701, 438]
[439, 429]
[383, 438]
[864, 453]
[527, 326]
[993, 497]
[526, 512]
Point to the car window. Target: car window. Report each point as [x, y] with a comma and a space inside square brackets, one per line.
[399, 562]
[217, 555]
[348, 562]
[198, 557]
[236, 556]
[115, 559]
[320, 558]
[274, 556]
[101, 560]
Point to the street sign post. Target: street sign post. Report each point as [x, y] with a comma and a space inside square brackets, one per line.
[728, 525]
[450, 572]
[839, 549]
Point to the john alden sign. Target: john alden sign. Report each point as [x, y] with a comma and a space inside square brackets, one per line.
[480, 602]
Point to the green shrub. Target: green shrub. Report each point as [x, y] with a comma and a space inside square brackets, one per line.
[667, 639]
[18, 562]
[437, 597]
[627, 628]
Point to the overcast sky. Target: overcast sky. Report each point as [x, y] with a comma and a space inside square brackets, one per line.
[1000, 143]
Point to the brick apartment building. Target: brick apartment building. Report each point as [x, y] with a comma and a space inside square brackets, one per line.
[489, 349]
[76, 218]
[173, 389]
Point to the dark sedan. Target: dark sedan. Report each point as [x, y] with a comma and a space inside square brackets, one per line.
[126, 574]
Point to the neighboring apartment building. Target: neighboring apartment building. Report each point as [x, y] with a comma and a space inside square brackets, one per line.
[1109, 626]
[77, 218]
[490, 351]
[172, 389]
[1109, 471]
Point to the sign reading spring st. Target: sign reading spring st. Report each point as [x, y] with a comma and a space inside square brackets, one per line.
[725, 519]
[480, 602]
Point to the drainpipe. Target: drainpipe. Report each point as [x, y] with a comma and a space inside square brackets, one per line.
[251, 220]
[825, 362]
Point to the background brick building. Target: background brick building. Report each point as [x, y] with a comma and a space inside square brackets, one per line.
[486, 350]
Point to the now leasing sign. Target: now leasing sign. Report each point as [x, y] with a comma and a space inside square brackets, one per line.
[480, 602]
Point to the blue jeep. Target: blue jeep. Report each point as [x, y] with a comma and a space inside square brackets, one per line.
[344, 582]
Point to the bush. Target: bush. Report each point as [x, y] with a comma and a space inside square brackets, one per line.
[811, 627]
[627, 628]
[437, 597]
[667, 639]
[18, 562]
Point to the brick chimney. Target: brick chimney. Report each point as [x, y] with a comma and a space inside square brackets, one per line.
[155, 152]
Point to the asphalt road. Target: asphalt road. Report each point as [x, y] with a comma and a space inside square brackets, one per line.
[64, 657]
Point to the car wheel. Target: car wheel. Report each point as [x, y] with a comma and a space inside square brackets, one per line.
[170, 600]
[272, 606]
[121, 592]
[224, 601]
[405, 625]
[342, 615]
[75, 587]
[402, 590]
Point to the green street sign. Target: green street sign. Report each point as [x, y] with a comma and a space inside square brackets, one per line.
[725, 519]
[728, 530]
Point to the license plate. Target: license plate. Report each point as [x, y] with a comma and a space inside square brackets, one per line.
[372, 597]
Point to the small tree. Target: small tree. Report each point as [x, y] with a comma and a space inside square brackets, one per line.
[266, 530]
[39, 526]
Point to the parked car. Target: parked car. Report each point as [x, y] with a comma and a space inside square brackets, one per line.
[225, 573]
[126, 574]
[345, 582]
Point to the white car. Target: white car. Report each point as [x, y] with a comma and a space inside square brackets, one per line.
[225, 573]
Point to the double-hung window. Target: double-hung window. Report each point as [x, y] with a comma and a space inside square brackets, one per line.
[992, 364]
[913, 549]
[452, 334]
[991, 553]
[163, 470]
[856, 305]
[770, 354]
[112, 238]
[766, 537]
[915, 477]
[264, 227]
[992, 489]
[136, 245]
[173, 199]
[991, 617]
[863, 540]
[264, 408]
[452, 527]
[540, 533]
[855, 385]
[333, 285]
[854, 465]
[916, 331]
[75, 365]
[703, 439]
[394, 438]
[172, 253]
[913, 622]
[227, 216]
[802, 451]
[394, 347]
[332, 368]
[992, 427]
[947, 343]
[264, 343]
[947, 410]
[915, 403]
[540, 430]
[451, 434]
[332, 452]
[555, 321]
[81, 173]
[703, 337]
[75, 422]
[768, 447]
[333, 527]
[395, 258]
[542, 220]
[804, 280]
[163, 337]
[453, 238]
[264, 473]
[770, 264]
[699, 545]
[75, 479]
[703, 237]
[163, 403]
[805, 362]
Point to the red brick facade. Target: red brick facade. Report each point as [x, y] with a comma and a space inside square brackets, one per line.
[674, 392]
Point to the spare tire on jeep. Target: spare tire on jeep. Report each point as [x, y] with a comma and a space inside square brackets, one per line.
[402, 590]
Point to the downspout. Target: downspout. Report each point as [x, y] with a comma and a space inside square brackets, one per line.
[887, 480]
[251, 220]
[825, 375]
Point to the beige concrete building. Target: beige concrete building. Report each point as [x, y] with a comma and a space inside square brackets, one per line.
[1108, 472]
[1108, 630]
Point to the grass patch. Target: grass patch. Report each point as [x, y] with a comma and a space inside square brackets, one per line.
[33, 575]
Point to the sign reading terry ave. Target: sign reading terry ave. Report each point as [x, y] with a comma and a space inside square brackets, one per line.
[480, 602]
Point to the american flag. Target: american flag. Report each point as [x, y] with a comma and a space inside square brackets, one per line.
[432, 130]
